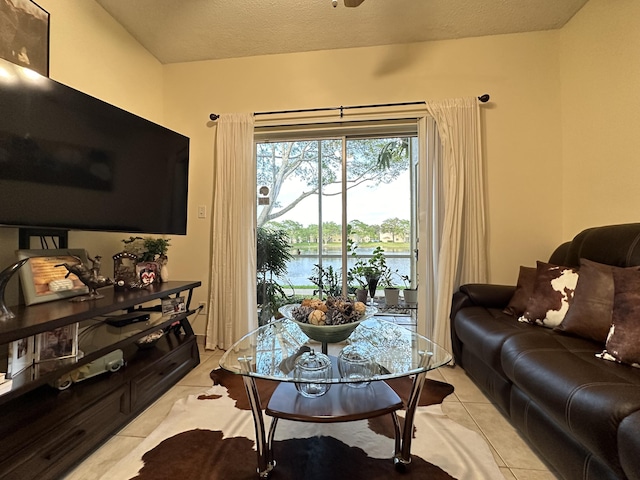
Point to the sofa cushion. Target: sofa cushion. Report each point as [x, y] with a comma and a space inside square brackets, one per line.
[591, 309]
[623, 341]
[587, 397]
[552, 295]
[629, 445]
[483, 331]
[524, 290]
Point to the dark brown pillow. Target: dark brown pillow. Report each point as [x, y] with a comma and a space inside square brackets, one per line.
[524, 289]
[592, 306]
[623, 341]
[552, 295]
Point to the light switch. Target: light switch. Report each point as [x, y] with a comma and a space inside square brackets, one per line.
[202, 211]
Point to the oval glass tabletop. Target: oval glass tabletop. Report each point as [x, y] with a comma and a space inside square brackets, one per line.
[270, 352]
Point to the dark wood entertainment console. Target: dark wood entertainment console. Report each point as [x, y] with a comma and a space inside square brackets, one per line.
[44, 431]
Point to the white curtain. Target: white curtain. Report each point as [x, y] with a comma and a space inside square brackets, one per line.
[232, 301]
[455, 209]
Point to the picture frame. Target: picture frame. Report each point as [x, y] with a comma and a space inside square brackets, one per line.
[57, 344]
[25, 41]
[148, 273]
[43, 280]
[21, 356]
[172, 306]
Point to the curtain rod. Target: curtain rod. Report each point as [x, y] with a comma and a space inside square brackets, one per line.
[214, 116]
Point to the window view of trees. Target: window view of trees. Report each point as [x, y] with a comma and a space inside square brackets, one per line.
[305, 203]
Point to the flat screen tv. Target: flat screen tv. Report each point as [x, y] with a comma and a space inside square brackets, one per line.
[70, 161]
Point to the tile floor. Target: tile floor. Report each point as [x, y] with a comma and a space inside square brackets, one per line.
[467, 406]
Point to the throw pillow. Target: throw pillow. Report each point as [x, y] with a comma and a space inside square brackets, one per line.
[552, 295]
[524, 290]
[592, 306]
[623, 341]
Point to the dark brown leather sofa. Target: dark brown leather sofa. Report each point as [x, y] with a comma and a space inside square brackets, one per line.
[579, 412]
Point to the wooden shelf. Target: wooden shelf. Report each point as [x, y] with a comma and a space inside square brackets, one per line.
[48, 316]
[44, 431]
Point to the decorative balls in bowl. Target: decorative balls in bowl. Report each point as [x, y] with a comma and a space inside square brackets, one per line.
[329, 321]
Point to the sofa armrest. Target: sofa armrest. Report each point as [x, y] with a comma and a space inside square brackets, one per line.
[481, 295]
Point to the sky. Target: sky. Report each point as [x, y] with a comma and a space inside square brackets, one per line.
[371, 206]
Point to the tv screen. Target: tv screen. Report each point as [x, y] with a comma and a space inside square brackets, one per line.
[73, 162]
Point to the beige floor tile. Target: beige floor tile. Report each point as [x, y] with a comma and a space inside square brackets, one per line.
[504, 438]
[104, 458]
[459, 414]
[465, 389]
[508, 475]
[523, 474]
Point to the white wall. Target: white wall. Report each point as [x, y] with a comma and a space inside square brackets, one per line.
[600, 73]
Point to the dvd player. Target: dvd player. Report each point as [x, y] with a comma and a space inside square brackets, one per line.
[127, 319]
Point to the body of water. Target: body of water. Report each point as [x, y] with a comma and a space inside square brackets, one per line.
[301, 267]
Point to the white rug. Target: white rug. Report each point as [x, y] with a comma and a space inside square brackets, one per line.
[439, 441]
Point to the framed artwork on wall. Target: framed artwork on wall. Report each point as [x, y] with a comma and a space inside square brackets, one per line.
[44, 277]
[24, 34]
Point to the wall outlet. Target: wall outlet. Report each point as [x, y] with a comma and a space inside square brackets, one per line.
[203, 311]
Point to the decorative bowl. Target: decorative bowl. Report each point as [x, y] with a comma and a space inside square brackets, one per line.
[150, 340]
[326, 333]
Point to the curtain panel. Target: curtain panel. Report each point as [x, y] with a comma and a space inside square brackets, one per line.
[455, 210]
[232, 299]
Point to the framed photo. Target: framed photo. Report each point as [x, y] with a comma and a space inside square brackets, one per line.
[57, 344]
[25, 35]
[21, 356]
[148, 272]
[44, 277]
[172, 306]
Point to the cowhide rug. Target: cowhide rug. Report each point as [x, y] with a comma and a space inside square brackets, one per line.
[211, 437]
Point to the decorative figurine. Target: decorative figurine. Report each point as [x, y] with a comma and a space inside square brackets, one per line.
[5, 276]
[90, 277]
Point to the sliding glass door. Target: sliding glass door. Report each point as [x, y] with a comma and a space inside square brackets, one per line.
[335, 200]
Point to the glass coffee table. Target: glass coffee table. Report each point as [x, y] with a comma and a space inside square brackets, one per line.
[270, 352]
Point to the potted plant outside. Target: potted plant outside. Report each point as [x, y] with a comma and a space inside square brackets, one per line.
[356, 275]
[374, 271]
[328, 280]
[271, 261]
[410, 294]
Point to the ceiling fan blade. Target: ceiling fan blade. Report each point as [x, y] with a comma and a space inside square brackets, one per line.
[352, 3]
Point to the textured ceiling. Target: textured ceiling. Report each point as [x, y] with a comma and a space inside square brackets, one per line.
[190, 30]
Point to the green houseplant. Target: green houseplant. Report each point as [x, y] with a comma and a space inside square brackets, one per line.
[410, 294]
[328, 280]
[371, 272]
[147, 249]
[272, 256]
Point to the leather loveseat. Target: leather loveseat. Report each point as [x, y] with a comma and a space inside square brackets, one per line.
[580, 413]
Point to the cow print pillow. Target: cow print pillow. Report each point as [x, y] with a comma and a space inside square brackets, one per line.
[552, 295]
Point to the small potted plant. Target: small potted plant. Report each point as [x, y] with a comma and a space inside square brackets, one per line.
[328, 280]
[374, 271]
[356, 275]
[410, 294]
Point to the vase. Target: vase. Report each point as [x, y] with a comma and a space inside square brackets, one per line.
[373, 284]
